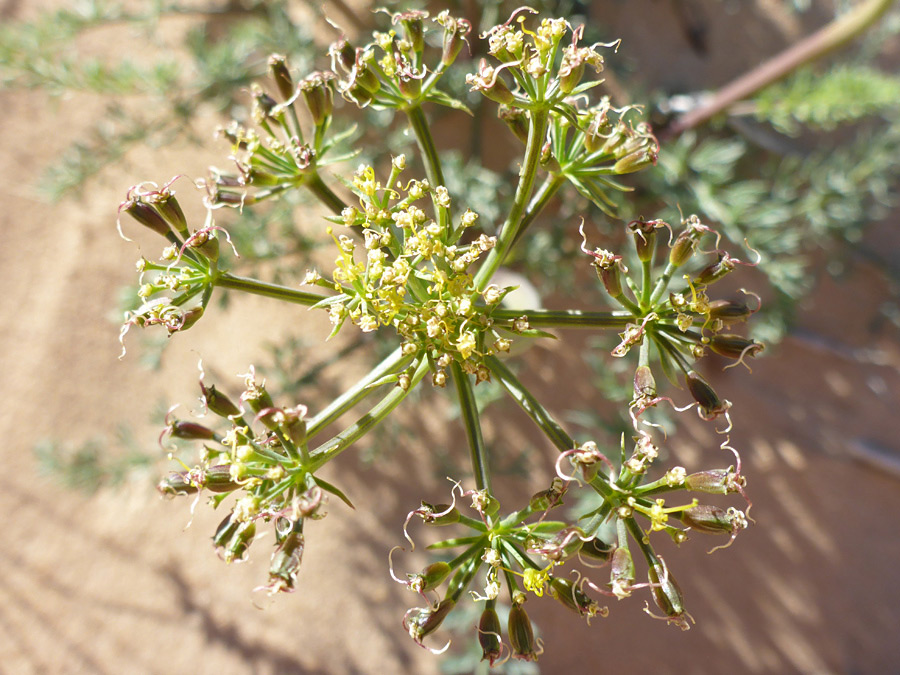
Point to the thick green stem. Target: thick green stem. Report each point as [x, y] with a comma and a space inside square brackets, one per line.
[426, 145]
[537, 130]
[395, 362]
[469, 408]
[530, 405]
[569, 318]
[337, 444]
[325, 194]
[247, 285]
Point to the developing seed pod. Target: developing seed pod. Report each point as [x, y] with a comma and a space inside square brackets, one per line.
[218, 403]
[489, 634]
[428, 621]
[608, 270]
[715, 271]
[215, 479]
[147, 216]
[710, 404]
[715, 482]
[170, 210]
[438, 514]
[728, 311]
[621, 577]
[644, 238]
[237, 546]
[455, 32]
[714, 519]
[667, 594]
[635, 161]
[682, 249]
[521, 634]
[191, 431]
[280, 72]
[285, 564]
[734, 346]
[516, 119]
[574, 598]
[596, 549]
[644, 384]
[318, 95]
[431, 577]
[413, 28]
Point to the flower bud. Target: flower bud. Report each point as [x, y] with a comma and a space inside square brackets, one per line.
[521, 634]
[218, 403]
[280, 72]
[489, 634]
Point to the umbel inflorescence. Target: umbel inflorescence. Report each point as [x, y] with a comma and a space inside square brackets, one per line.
[411, 264]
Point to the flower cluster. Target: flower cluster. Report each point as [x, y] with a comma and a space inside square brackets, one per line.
[391, 71]
[269, 471]
[412, 274]
[412, 265]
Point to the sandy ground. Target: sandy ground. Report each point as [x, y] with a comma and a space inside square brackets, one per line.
[110, 583]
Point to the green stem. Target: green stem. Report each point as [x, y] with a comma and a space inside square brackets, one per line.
[568, 318]
[337, 444]
[530, 405]
[469, 408]
[545, 193]
[426, 145]
[646, 284]
[662, 283]
[537, 130]
[247, 285]
[324, 193]
[395, 362]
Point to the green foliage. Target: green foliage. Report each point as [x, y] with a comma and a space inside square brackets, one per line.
[844, 94]
[90, 466]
